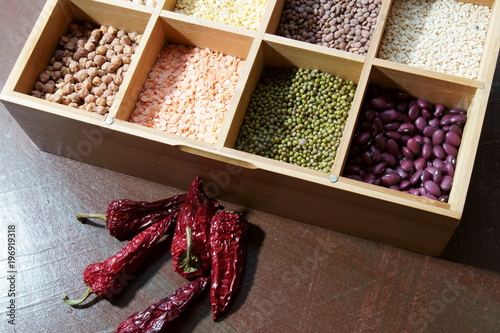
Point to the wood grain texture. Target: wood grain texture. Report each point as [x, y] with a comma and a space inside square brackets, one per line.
[299, 278]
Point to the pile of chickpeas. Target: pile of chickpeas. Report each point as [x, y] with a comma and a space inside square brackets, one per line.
[88, 67]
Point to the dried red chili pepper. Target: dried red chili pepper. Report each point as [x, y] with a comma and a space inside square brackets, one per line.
[159, 315]
[126, 218]
[191, 244]
[228, 234]
[109, 277]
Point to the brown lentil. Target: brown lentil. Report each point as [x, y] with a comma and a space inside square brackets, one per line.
[345, 25]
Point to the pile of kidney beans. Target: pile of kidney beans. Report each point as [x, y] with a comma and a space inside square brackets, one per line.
[406, 144]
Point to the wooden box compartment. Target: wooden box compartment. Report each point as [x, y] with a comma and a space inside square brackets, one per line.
[172, 28]
[329, 199]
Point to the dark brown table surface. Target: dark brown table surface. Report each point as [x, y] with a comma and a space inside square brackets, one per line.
[299, 278]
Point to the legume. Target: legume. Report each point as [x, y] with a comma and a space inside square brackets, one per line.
[88, 67]
[297, 116]
[417, 155]
[245, 14]
[188, 92]
[345, 25]
[442, 35]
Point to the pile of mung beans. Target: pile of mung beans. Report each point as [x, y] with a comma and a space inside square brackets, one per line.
[297, 116]
[406, 144]
[446, 36]
[345, 25]
[245, 14]
[88, 67]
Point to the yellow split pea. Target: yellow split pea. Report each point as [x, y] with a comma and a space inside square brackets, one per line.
[188, 92]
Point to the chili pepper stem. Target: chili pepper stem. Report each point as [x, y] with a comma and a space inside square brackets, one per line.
[80, 300]
[83, 217]
[189, 262]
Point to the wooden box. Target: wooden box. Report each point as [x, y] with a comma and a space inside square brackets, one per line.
[328, 200]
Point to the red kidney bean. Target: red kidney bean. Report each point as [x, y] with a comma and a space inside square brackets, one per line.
[355, 177]
[437, 176]
[401, 105]
[378, 102]
[392, 147]
[438, 110]
[367, 157]
[352, 169]
[389, 116]
[427, 151]
[457, 129]
[405, 185]
[375, 153]
[407, 165]
[413, 146]
[420, 163]
[389, 179]
[389, 158]
[439, 152]
[445, 120]
[456, 111]
[420, 123]
[453, 138]
[446, 183]
[395, 187]
[449, 169]
[438, 137]
[450, 149]
[422, 191]
[393, 135]
[428, 196]
[414, 191]
[416, 177]
[432, 188]
[419, 139]
[414, 112]
[406, 128]
[439, 164]
[426, 175]
[458, 119]
[377, 125]
[427, 114]
[391, 126]
[450, 159]
[363, 138]
[380, 141]
[404, 139]
[430, 168]
[379, 168]
[422, 103]
[434, 122]
[403, 174]
[407, 153]
[369, 178]
[370, 115]
[429, 131]
[443, 198]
